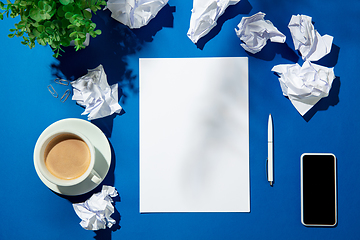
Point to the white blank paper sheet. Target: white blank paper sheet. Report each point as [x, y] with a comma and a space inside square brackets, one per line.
[194, 135]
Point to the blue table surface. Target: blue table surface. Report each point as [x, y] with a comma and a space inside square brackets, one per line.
[29, 210]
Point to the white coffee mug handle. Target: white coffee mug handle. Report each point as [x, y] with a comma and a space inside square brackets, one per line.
[96, 177]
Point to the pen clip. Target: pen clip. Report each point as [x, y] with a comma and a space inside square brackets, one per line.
[267, 172]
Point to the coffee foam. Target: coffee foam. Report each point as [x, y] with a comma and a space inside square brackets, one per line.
[67, 157]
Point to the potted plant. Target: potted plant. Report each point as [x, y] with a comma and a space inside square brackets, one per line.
[53, 22]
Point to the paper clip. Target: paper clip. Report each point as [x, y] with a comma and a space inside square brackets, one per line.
[52, 91]
[61, 81]
[65, 95]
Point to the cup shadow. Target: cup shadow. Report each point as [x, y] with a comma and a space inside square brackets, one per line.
[106, 123]
[108, 180]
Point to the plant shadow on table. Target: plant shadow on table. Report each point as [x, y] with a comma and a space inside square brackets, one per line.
[111, 49]
[109, 180]
[332, 99]
[243, 7]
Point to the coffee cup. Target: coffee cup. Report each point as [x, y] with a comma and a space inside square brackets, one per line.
[66, 158]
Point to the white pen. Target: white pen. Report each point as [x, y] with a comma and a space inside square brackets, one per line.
[270, 163]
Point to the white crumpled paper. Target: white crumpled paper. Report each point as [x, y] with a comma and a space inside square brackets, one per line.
[254, 31]
[96, 211]
[304, 85]
[135, 13]
[94, 93]
[205, 14]
[307, 40]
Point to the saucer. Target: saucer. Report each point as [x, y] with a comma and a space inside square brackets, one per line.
[102, 154]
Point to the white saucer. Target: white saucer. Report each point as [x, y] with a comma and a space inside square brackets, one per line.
[102, 149]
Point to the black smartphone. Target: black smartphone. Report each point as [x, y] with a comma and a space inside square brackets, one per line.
[318, 189]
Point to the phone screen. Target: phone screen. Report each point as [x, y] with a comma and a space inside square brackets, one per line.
[318, 190]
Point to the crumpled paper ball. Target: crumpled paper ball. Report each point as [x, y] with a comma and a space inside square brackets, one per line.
[307, 40]
[96, 211]
[204, 16]
[254, 31]
[93, 92]
[135, 13]
[304, 85]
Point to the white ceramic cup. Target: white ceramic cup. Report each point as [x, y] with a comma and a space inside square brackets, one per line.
[39, 161]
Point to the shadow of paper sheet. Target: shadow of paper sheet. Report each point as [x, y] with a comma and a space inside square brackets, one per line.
[194, 135]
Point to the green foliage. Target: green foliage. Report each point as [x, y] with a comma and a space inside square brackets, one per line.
[52, 22]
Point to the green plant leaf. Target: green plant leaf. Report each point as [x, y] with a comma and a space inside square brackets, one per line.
[78, 16]
[21, 24]
[53, 9]
[65, 2]
[72, 20]
[41, 41]
[52, 22]
[44, 15]
[65, 42]
[35, 14]
[87, 14]
[73, 34]
[23, 3]
[42, 5]
[25, 17]
[26, 40]
[56, 23]
[77, 10]
[41, 28]
[68, 8]
[60, 12]
[11, 35]
[81, 35]
[68, 15]
[49, 30]
[47, 23]
[36, 33]
[78, 42]
[64, 22]
[31, 45]
[2, 6]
